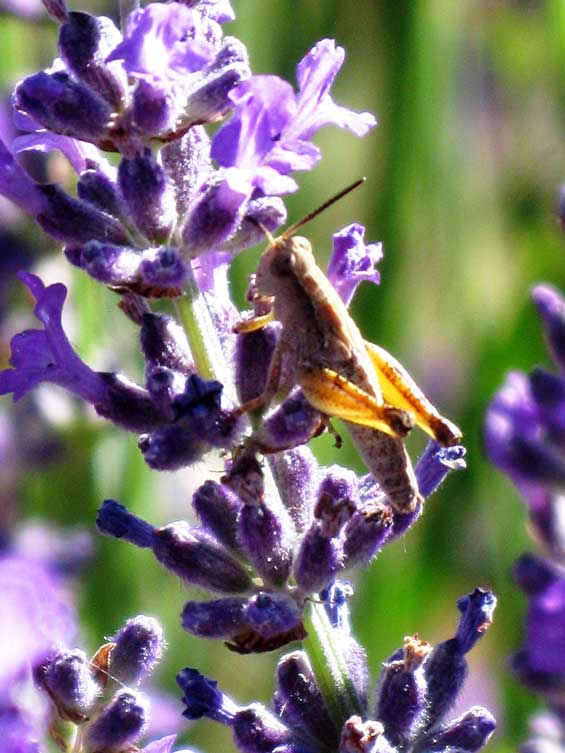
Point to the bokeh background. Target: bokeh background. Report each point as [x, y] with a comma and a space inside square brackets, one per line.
[463, 180]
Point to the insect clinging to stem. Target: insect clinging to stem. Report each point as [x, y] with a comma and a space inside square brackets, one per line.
[341, 374]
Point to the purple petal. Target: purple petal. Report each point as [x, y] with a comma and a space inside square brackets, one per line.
[352, 261]
[79, 153]
[264, 108]
[17, 186]
[315, 75]
[47, 355]
[166, 42]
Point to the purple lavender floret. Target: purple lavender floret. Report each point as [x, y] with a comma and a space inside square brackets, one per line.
[47, 356]
[138, 649]
[352, 261]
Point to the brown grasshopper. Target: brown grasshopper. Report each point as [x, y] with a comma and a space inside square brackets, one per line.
[341, 374]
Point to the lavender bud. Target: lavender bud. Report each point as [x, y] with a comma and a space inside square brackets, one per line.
[121, 723]
[267, 541]
[68, 678]
[299, 701]
[296, 471]
[202, 697]
[164, 343]
[128, 405]
[72, 220]
[201, 408]
[197, 558]
[293, 423]
[218, 508]
[468, 733]
[401, 696]
[320, 555]
[164, 385]
[63, 105]
[551, 307]
[84, 42]
[148, 195]
[256, 730]
[138, 649]
[98, 189]
[446, 667]
[366, 533]
[172, 447]
[210, 100]
[270, 614]
[434, 465]
[363, 737]
[214, 215]
[253, 358]
[187, 163]
[115, 520]
[222, 618]
[535, 463]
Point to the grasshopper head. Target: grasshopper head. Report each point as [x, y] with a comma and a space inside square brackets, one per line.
[280, 263]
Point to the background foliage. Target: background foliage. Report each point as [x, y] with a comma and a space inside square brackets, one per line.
[463, 174]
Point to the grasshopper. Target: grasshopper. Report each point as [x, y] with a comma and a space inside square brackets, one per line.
[341, 374]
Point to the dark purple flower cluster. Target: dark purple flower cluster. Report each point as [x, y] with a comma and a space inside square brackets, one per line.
[267, 553]
[406, 711]
[525, 433]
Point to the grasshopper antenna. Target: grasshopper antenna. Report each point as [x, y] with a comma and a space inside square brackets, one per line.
[293, 228]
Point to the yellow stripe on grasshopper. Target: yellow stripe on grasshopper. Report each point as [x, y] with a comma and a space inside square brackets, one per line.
[334, 395]
[252, 325]
[401, 390]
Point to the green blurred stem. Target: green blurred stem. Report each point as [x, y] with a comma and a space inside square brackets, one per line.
[329, 665]
[202, 336]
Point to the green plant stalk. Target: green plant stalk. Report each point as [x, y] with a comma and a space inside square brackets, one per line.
[202, 336]
[330, 666]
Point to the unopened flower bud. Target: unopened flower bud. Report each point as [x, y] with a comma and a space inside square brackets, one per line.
[299, 701]
[220, 618]
[401, 695]
[85, 41]
[119, 725]
[138, 649]
[218, 508]
[63, 105]
[148, 195]
[69, 680]
[469, 733]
